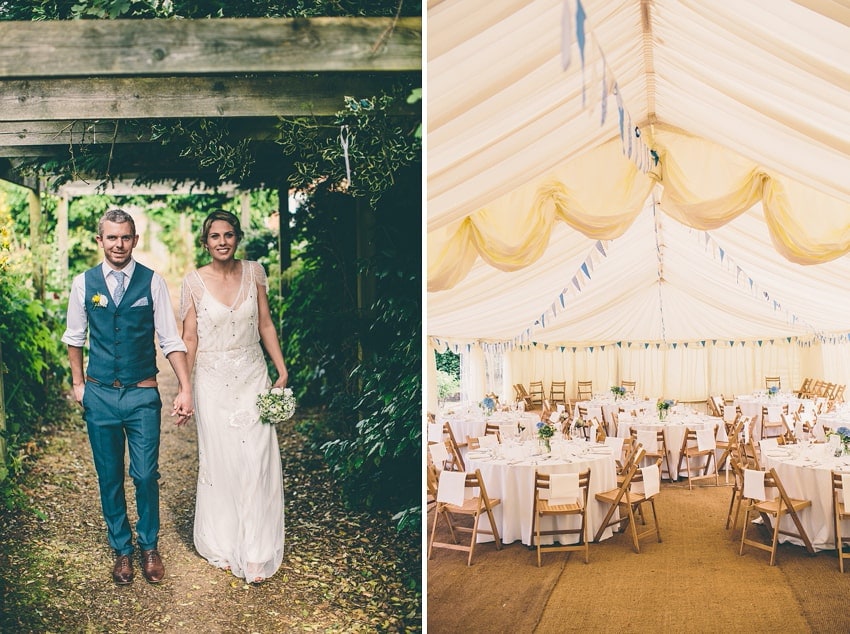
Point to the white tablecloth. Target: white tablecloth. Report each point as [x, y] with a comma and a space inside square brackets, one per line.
[752, 404]
[805, 474]
[472, 424]
[609, 405]
[674, 432]
[512, 481]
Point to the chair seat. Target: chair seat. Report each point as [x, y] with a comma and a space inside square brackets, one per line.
[471, 505]
[544, 508]
[611, 496]
[772, 506]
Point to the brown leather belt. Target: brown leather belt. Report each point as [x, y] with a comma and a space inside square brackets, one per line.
[149, 382]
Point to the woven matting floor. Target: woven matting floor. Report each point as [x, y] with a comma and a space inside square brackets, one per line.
[693, 581]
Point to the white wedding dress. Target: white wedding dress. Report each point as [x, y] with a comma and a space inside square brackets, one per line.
[239, 508]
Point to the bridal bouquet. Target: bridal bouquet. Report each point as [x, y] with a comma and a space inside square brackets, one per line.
[276, 405]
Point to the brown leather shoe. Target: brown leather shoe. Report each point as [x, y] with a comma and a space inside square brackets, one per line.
[122, 571]
[152, 566]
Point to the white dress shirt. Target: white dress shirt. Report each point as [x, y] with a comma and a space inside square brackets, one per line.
[165, 325]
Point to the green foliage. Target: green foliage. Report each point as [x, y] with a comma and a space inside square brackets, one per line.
[447, 385]
[33, 369]
[361, 151]
[110, 9]
[376, 458]
[449, 362]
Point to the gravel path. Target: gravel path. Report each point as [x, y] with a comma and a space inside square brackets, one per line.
[342, 571]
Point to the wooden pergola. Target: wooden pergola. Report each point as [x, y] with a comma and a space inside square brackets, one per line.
[66, 84]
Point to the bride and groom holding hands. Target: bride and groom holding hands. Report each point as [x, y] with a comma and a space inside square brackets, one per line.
[121, 308]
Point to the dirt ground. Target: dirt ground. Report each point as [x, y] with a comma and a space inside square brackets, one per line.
[342, 571]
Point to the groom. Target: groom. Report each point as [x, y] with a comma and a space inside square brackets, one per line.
[121, 305]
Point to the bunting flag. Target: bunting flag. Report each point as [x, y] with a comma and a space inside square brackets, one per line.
[633, 146]
[597, 252]
[727, 263]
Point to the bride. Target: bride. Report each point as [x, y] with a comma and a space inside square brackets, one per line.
[225, 311]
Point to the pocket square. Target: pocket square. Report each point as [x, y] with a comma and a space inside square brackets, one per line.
[140, 302]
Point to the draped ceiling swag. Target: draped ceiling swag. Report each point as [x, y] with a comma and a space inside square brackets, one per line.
[638, 170]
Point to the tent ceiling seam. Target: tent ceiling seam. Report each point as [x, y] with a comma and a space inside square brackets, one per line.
[648, 58]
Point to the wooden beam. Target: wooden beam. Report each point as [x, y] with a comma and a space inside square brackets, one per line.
[24, 138]
[82, 48]
[177, 97]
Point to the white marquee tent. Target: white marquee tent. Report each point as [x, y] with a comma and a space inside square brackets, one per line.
[647, 189]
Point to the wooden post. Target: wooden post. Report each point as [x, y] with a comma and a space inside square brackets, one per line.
[62, 235]
[245, 210]
[365, 252]
[34, 201]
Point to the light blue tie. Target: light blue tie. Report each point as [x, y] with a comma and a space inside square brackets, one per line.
[118, 293]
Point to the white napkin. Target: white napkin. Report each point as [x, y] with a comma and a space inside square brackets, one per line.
[554, 418]
[706, 440]
[521, 406]
[435, 432]
[616, 445]
[563, 488]
[774, 412]
[439, 454]
[768, 444]
[488, 442]
[649, 440]
[452, 487]
[651, 480]
[818, 432]
[845, 490]
[508, 431]
[561, 408]
[594, 412]
[729, 413]
[754, 484]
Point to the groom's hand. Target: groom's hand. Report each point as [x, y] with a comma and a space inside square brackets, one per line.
[183, 408]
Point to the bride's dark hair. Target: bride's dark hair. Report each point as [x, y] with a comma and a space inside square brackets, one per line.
[227, 217]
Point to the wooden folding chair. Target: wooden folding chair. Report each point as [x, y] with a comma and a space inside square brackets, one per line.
[545, 505]
[658, 449]
[771, 420]
[535, 390]
[492, 429]
[772, 381]
[629, 502]
[840, 511]
[805, 388]
[522, 395]
[558, 392]
[772, 511]
[696, 445]
[585, 391]
[737, 490]
[733, 438]
[630, 386]
[475, 504]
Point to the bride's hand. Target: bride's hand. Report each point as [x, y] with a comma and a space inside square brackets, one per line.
[281, 380]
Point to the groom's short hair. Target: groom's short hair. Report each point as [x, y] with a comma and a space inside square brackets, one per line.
[118, 216]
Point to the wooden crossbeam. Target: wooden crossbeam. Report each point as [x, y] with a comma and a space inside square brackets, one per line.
[177, 97]
[82, 48]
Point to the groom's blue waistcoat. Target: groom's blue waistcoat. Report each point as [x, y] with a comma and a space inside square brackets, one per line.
[121, 338]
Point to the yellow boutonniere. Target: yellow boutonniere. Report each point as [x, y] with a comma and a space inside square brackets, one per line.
[99, 301]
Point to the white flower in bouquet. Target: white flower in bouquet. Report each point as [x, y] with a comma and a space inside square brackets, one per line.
[276, 405]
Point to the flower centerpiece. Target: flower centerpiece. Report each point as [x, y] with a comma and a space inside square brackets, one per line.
[663, 407]
[487, 405]
[618, 391]
[545, 431]
[276, 405]
[772, 391]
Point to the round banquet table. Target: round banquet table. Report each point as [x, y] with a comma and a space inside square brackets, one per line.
[511, 479]
[752, 404]
[805, 474]
[674, 427]
[611, 405]
[472, 424]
